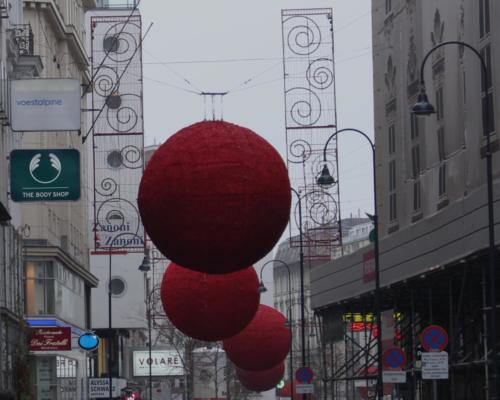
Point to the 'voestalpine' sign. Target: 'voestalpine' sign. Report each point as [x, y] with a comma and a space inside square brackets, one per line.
[45, 105]
[45, 175]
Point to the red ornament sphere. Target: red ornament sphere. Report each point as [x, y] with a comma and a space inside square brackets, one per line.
[260, 381]
[286, 391]
[215, 197]
[209, 307]
[262, 344]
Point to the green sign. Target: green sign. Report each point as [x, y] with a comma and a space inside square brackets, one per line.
[45, 175]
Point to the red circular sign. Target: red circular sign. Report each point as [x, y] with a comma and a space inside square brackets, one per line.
[434, 338]
[394, 358]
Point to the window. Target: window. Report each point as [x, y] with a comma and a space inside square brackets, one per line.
[414, 126]
[484, 17]
[392, 189]
[392, 175]
[441, 144]
[442, 179]
[392, 207]
[388, 6]
[40, 292]
[392, 139]
[487, 93]
[439, 103]
[415, 160]
[417, 203]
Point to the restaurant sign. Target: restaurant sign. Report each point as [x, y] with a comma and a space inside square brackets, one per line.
[50, 339]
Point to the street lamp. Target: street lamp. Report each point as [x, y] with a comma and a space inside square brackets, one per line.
[326, 179]
[263, 289]
[150, 344]
[111, 249]
[423, 107]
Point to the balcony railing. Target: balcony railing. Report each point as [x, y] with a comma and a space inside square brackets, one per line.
[23, 37]
[116, 3]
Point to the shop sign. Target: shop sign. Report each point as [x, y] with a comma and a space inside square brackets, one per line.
[45, 175]
[50, 339]
[369, 266]
[99, 387]
[45, 105]
[163, 363]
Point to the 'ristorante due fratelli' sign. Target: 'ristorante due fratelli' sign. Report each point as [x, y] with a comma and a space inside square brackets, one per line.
[50, 339]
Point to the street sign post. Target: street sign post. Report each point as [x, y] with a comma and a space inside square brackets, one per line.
[45, 175]
[435, 365]
[304, 375]
[434, 338]
[394, 362]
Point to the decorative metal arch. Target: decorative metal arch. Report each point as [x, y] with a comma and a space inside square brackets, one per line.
[310, 118]
[118, 134]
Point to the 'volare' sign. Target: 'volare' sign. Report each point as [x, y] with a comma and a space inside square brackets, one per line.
[163, 363]
[50, 339]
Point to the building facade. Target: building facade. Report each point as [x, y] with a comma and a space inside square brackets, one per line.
[432, 200]
[55, 247]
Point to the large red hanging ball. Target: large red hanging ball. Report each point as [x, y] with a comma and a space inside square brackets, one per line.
[262, 344]
[209, 307]
[215, 197]
[260, 381]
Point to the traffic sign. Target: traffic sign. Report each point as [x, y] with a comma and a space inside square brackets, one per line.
[435, 365]
[45, 175]
[88, 341]
[394, 376]
[304, 374]
[434, 338]
[394, 358]
[306, 388]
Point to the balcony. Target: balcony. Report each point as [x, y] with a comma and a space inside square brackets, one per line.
[23, 37]
[121, 4]
[21, 51]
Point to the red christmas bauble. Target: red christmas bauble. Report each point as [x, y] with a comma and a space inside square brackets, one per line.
[209, 307]
[260, 381]
[215, 197]
[262, 344]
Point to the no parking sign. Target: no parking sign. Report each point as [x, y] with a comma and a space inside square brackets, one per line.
[434, 338]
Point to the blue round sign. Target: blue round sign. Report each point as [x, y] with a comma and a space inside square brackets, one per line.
[394, 358]
[88, 341]
[304, 374]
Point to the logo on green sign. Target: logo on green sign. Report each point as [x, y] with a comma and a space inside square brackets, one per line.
[45, 175]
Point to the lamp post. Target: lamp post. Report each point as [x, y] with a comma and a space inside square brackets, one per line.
[263, 289]
[325, 179]
[423, 107]
[111, 249]
[150, 341]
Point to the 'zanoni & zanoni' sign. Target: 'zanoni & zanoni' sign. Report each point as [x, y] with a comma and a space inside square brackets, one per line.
[45, 175]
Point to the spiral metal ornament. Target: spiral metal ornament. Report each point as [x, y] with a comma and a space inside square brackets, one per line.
[123, 41]
[132, 157]
[320, 73]
[299, 151]
[305, 36]
[106, 81]
[306, 109]
[124, 118]
[107, 187]
[321, 207]
[117, 216]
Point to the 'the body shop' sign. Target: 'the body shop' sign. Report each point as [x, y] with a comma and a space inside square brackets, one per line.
[53, 338]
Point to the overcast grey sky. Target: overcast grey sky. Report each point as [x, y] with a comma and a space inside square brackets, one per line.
[209, 44]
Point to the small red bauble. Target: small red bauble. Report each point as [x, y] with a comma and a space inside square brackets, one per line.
[209, 307]
[262, 344]
[286, 391]
[260, 381]
[215, 197]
